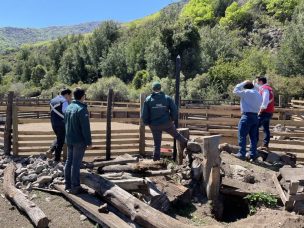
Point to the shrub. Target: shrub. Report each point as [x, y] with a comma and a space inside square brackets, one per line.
[260, 199]
[281, 9]
[199, 11]
[238, 16]
[99, 90]
[31, 92]
[141, 79]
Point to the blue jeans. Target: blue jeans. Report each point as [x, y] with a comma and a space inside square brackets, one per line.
[157, 132]
[264, 120]
[248, 124]
[72, 165]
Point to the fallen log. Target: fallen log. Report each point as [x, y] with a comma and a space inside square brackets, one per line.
[132, 207]
[120, 160]
[90, 206]
[139, 167]
[176, 193]
[158, 199]
[36, 215]
[131, 184]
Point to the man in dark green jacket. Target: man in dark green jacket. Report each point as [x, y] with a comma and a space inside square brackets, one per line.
[159, 112]
[78, 139]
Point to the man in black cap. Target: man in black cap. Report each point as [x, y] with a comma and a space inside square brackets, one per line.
[159, 112]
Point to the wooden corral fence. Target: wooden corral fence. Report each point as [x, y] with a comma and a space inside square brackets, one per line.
[30, 135]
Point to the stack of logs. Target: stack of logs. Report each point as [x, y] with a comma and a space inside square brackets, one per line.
[131, 191]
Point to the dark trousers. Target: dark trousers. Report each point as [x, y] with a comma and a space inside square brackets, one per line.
[72, 165]
[157, 137]
[58, 142]
[264, 120]
[248, 124]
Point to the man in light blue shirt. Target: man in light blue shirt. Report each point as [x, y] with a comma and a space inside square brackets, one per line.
[251, 102]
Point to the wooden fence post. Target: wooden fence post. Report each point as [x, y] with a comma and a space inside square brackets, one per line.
[142, 129]
[8, 124]
[280, 101]
[15, 129]
[109, 119]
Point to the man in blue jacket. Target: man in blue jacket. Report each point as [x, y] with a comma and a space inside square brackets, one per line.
[251, 102]
[159, 112]
[78, 139]
[58, 106]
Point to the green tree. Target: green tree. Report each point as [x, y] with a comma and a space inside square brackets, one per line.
[114, 64]
[281, 9]
[72, 69]
[218, 42]
[101, 40]
[38, 72]
[238, 16]
[5, 68]
[291, 54]
[141, 79]
[158, 59]
[199, 11]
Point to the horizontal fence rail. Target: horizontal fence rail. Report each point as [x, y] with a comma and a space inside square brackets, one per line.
[32, 132]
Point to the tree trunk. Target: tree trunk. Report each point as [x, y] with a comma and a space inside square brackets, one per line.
[36, 215]
[139, 167]
[121, 160]
[137, 210]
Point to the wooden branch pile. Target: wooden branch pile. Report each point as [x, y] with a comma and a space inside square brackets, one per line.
[289, 183]
[128, 193]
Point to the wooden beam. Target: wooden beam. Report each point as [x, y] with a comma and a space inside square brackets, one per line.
[36, 215]
[88, 205]
[8, 124]
[127, 204]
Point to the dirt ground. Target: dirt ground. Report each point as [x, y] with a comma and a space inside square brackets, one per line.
[63, 214]
[60, 212]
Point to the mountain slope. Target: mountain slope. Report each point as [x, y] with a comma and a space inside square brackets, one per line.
[11, 37]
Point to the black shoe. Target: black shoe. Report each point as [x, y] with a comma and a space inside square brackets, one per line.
[253, 158]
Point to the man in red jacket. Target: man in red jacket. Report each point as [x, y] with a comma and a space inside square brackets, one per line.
[267, 108]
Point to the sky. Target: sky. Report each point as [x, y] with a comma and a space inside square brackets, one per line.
[43, 13]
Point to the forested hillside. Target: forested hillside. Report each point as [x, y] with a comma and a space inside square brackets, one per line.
[221, 42]
[11, 37]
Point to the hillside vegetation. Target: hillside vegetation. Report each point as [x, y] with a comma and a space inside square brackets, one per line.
[11, 37]
[221, 42]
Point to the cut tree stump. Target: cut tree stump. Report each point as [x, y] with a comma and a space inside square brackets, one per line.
[36, 215]
[90, 206]
[127, 204]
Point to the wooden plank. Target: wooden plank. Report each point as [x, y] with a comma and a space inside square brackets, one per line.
[88, 204]
[91, 153]
[118, 132]
[292, 174]
[8, 124]
[3, 108]
[279, 188]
